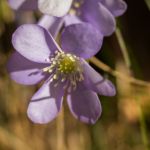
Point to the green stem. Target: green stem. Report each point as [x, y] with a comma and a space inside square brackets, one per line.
[61, 137]
[126, 57]
[123, 48]
[143, 129]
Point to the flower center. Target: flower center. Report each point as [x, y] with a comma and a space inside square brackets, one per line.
[67, 64]
[65, 68]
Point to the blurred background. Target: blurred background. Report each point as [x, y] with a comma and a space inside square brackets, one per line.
[125, 121]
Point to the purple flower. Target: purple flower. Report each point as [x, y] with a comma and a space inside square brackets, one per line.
[100, 13]
[51, 7]
[65, 72]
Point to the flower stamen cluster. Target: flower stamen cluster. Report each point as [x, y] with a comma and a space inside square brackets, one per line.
[67, 68]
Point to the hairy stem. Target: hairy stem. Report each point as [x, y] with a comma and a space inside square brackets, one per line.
[118, 74]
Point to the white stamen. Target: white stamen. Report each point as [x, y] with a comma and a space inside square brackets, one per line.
[65, 68]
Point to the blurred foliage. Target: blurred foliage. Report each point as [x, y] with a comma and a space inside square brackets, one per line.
[124, 124]
[148, 3]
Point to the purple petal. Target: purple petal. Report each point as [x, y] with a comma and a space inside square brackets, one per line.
[71, 19]
[54, 7]
[23, 4]
[56, 27]
[24, 71]
[45, 104]
[81, 39]
[53, 24]
[33, 42]
[116, 7]
[96, 82]
[84, 105]
[99, 16]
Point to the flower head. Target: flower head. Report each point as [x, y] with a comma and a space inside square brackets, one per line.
[51, 7]
[65, 72]
[99, 13]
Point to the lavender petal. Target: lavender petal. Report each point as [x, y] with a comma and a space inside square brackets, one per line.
[116, 7]
[71, 19]
[99, 16]
[33, 42]
[56, 8]
[51, 23]
[24, 71]
[23, 4]
[45, 104]
[94, 81]
[81, 39]
[84, 105]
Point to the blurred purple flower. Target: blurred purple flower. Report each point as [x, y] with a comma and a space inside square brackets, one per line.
[51, 7]
[100, 13]
[66, 73]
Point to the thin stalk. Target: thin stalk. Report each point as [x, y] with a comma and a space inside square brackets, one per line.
[123, 48]
[126, 57]
[118, 74]
[61, 143]
[127, 78]
[143, 128]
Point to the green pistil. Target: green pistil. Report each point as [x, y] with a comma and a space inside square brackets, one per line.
[67, 65]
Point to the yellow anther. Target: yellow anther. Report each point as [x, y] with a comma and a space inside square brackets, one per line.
[76, 4]
[67, 68]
